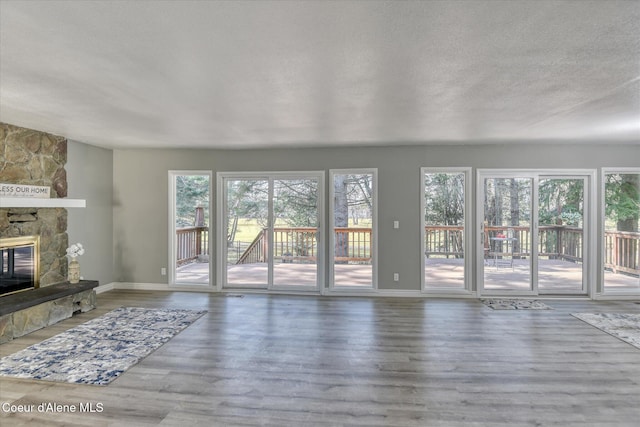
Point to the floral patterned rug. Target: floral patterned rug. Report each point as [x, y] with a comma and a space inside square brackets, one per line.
[98, 351]
[515, 304]
[622, 326]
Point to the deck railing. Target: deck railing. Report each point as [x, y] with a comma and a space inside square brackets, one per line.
[300, 244]
[191, 242]
[353, 244]
[444, 240]
[554, 241]
[558, 242]
[621, 249]
[257, 250]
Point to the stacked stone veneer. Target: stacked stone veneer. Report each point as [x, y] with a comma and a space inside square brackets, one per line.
[36, 158]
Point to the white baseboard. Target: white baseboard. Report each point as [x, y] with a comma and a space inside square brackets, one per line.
[445, 294]
[133, 286]
[396, 293]
[617, 297]
[104, 288]
[399, 293]
[163, 287]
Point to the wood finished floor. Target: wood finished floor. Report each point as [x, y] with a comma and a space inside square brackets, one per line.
[306, 361]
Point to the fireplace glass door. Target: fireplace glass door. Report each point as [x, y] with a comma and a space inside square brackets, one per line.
[20, 256]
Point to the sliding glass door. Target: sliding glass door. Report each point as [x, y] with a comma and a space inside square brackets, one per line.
[534, 232]
[273, 230]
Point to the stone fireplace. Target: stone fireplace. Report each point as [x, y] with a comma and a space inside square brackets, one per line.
[36, 158]
[33, 241]
[20, 264]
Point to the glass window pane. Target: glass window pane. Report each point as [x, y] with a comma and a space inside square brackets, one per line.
[246, 217]
[353, 202]
[621, 232]
[192, 228]
[444, 215]
[507, 234]
[560, 235]
[295, 232]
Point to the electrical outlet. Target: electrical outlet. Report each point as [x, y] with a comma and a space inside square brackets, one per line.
[396, 224]
[396, 277]
[163, 271]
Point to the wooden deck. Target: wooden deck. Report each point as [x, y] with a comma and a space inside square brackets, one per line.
[553, 276]
[284, 274]
[559, 249]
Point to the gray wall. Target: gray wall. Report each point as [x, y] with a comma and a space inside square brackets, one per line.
[90, 177]
[140, 183]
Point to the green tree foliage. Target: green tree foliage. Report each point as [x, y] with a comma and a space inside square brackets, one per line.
[444, 205]
[561, 202]
[353, 198]
[622, 200]
[296, 202]
[507, 201]
[246, 198]
[444, 198]
[192, 191]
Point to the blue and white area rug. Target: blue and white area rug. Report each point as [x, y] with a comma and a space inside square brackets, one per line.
[623, 326]
[515, 304]
[98, 351]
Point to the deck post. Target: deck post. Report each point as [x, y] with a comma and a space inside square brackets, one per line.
[559, 251]
[199, 222]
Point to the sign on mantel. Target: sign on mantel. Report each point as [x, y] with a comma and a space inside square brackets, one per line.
[22, 190]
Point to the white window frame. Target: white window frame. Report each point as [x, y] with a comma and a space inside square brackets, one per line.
[589, 229]
[468, 232]
[602, 290]
[269, 176]
[374, 232]
[172, 228]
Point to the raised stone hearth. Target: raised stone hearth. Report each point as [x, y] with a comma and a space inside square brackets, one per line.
[24, 312]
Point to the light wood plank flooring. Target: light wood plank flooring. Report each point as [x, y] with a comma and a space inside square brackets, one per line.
[279, 360]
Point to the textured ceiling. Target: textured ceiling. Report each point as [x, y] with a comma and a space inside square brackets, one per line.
[267, 74]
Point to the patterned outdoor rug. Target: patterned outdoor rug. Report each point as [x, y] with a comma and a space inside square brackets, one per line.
[515, 304]
[623, 326]
[98, 351]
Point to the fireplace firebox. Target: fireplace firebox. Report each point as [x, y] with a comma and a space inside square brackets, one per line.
[20, 264]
